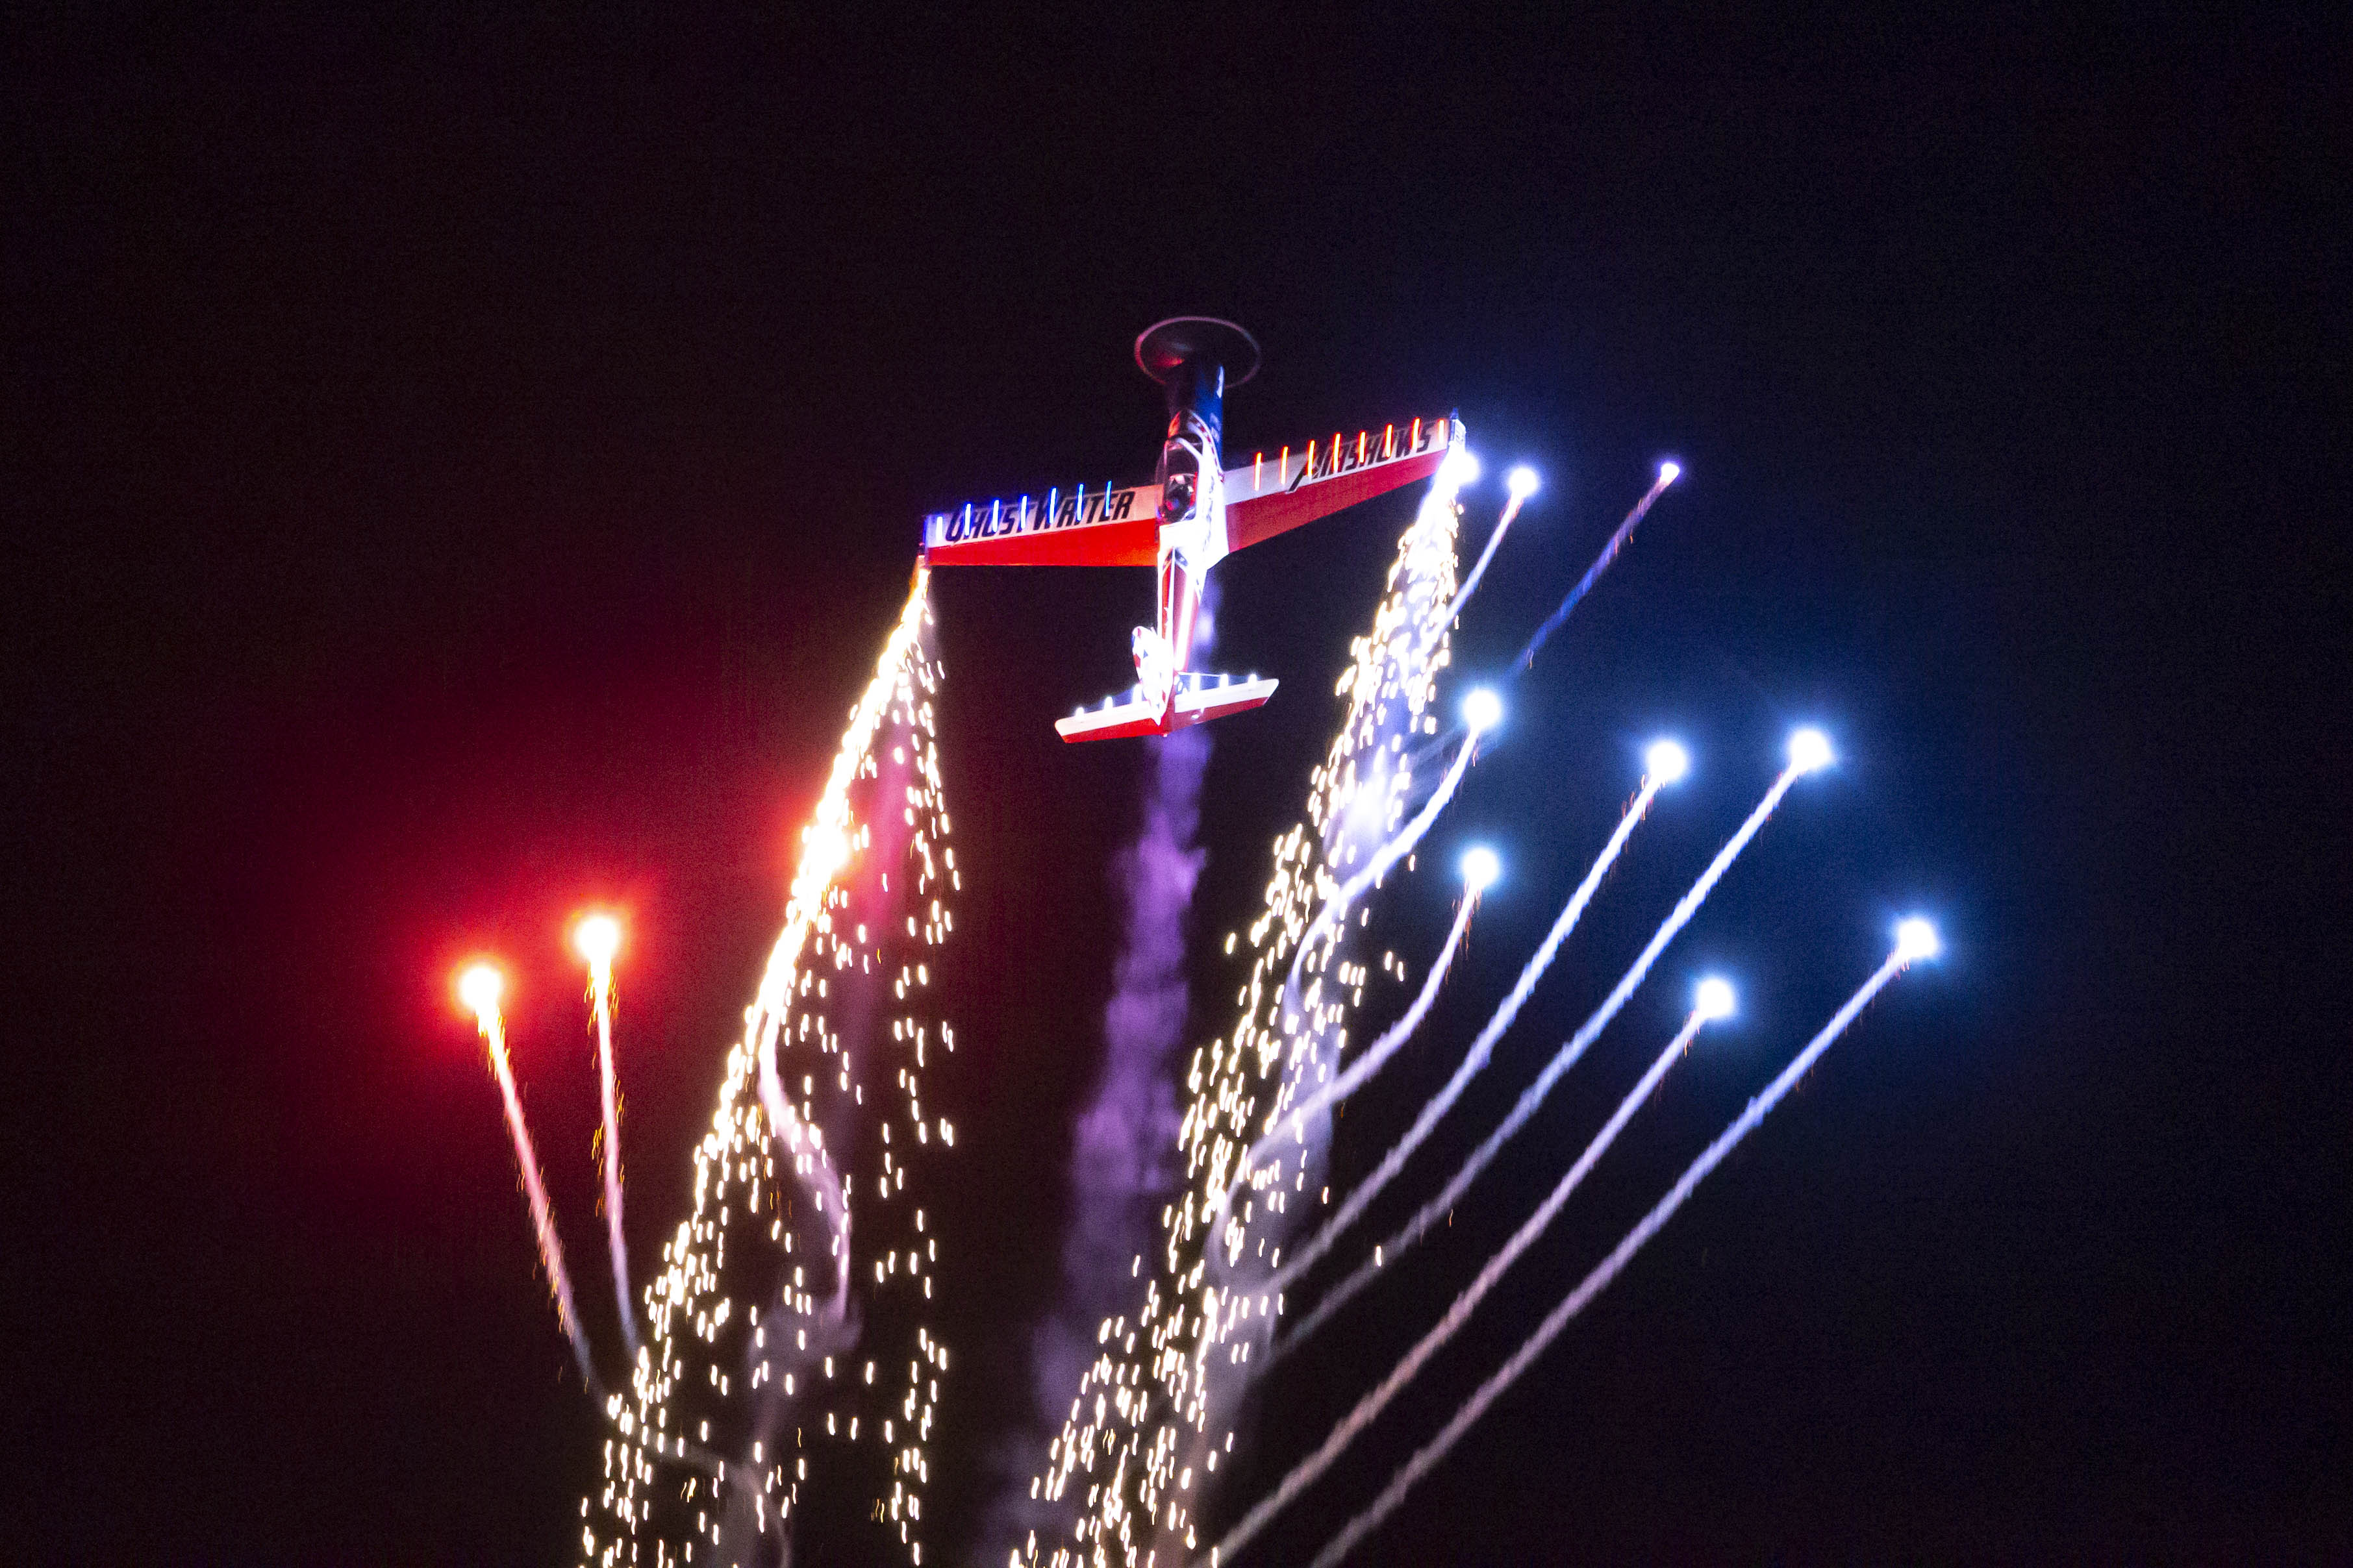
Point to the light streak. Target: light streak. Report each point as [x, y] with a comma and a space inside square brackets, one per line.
[1426, 1458]
[1533, 1097]
[1342, 899]
[1482, 1047]
[1520, 492]
[1375, 1057]
[1303, 1474]
[596, 938]
[479, 988]
[1668, 472]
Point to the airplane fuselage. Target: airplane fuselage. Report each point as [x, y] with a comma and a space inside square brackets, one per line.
[1192, 483]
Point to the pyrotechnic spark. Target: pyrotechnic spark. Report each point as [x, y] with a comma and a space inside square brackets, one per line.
[1667, 476]
[1594, 1283]
[479, 988]
[750, 1356]
[1304, 1473]
[1533, 1097]
[1484, 1045]
[1377, 1056]
[596, 938]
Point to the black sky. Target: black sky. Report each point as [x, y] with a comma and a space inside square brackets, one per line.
[459, 469]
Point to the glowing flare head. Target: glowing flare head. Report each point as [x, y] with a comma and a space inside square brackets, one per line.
[1523, 482]
[1460, 468]
[1480, 868]
[1482, 710]
[1809, 752]
[1666, 763]
[1714, 999]
[480, 986]
[1670, 471]
[1916, 939]
[596, 938]
[825, 851]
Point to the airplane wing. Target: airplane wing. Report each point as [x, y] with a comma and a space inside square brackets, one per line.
[1100, 528]
[1269, 497]
[1121, 527]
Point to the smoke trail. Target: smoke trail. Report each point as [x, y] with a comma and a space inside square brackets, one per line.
[1303, 1474]
[1565, 1058]
[1375, 1057]
[1481, 1048]
[1124, 1155]
[543, 1223]
[1667, 472]
[1593, 1284]
[600, 1001]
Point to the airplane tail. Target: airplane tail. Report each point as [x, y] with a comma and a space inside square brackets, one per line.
[1200, 697]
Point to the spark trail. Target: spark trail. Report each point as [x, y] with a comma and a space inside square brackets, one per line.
[746, 1361]
[1375, 1057]
[1916, 939]
[1667, 475]
[1666, 763]
[597, 938]
[479, 988]
[1808, 751]
[1714, 1002]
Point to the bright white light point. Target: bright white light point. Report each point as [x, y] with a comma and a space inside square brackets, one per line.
[1482, 710]
[597, 938]
[479, 988]
[1810, 751]
[1666, 762]
[1714, 999]
[1670, 472]
[1916, 938]
[1461, 467]
[1522, 481]
[1480, 868]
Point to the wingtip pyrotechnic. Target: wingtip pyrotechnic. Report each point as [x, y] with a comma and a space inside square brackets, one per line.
[1481, 869]
[1523, 482]
[480, 986]
[1810, 752]
[1460, 468]
[1666, 763]
[1916, 938]
[1482, 710]
[1714, 999]
[597, 938]
[1670, 471]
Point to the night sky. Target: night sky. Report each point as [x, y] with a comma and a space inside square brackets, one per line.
[457, 471]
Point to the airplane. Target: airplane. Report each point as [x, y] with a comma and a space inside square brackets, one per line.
[1193, 515]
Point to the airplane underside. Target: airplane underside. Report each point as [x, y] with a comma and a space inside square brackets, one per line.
[1192, 516]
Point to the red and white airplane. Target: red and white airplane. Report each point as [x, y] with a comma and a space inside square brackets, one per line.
[1191, 517]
